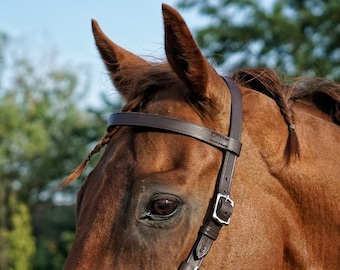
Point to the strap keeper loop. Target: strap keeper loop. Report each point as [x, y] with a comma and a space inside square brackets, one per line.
[209, 231]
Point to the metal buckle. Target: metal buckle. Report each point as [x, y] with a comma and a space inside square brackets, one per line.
[217, 208]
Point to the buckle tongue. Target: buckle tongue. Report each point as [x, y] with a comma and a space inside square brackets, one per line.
[223, 209]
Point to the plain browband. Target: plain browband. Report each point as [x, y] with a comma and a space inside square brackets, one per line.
[174, 125]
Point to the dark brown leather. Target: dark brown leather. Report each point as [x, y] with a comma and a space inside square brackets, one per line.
[219, 214]
[174, 125]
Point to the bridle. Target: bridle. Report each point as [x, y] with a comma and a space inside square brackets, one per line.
[220, 212]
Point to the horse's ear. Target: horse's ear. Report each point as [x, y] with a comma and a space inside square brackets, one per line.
[118, 61]
[184, 55]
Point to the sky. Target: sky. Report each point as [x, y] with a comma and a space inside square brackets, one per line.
[64, 27]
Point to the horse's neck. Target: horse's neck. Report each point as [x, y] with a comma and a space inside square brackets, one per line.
[307, 108]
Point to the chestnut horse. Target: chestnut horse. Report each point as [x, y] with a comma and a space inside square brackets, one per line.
[148, 202]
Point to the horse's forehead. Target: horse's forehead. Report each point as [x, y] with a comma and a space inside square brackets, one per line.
[174, 103]
[139, 153]
[136, 153]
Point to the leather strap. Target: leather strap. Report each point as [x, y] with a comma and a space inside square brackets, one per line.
[219, 214]
[174, 125]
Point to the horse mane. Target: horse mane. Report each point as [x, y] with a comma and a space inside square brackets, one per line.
[321, 93]
[318, 92]
[147, 82]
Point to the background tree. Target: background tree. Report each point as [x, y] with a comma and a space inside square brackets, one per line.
[296, 37]
[45, 132]
[20, 243]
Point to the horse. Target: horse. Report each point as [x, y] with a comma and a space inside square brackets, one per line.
[190, 147]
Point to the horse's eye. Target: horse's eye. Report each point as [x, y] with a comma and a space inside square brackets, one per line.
[163, 207]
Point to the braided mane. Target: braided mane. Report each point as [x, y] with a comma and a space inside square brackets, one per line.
[319, 92]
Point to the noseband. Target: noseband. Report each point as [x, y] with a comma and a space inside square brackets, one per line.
[220, 212]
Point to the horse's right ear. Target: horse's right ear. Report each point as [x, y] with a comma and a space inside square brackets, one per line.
[118, 61]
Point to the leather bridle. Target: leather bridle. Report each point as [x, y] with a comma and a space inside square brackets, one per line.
[220, 211]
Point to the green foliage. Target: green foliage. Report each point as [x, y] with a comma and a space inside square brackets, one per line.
[297, 37]
[53, 243]
[19, 238]
[44, 135]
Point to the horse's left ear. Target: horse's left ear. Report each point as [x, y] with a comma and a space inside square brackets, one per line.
[119, 62]
[184, 55]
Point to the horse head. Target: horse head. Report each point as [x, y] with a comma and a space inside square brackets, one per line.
[143, 205]
[151, 189]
